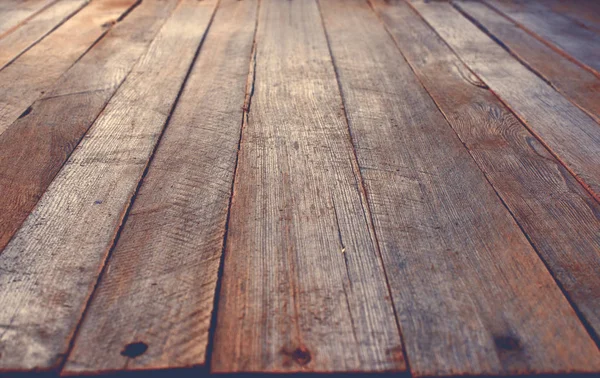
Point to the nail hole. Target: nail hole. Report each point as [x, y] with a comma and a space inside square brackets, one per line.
[134, 350]
[301, 355]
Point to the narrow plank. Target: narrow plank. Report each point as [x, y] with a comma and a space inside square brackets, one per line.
[30, 75]
[303, 288]
[471, 294]
[50, 267]
[556, 30]
[32, 31]
[567, 131]
[165, 264]
[14, 12]
[35, 147]
[558, 215]
[573, 81]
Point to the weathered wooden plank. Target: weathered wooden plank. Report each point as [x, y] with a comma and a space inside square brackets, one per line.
[471, 294]
[14, 12]
[558, 215]
[50, 267]
[556, 30]
[567, 131]
[15, 43]
[573, 81]
[30, 75]
[303, 287]
[35, 147]
[165, 264]
[583, 12]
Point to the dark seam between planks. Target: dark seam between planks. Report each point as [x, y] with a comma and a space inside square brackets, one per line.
[475, 22]
[125, 212]
[595, 337]
[66, 159]
[587, 188]
[550, 44]
[47, 33]
[212, 329]
[363, 191]
[7, 32]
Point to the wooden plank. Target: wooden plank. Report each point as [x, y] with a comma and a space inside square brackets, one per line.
[51, 266]
[35, 147]
[303, 287]
[471, 294]
[568, 132]
[557, 31]
[167, 259]
[14, 12]
[558, 215]
[32, 31]
[574, 82]
[30, 75]
[583, 12]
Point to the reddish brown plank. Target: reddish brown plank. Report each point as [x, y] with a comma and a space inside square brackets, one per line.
[576, 83]
[30, 75]
[558, 215]
[165, 264]
[51, 266]
[567, 131]
[33, 30]
[35, 146]
[556, 30]
[303, 288]
[471, 294]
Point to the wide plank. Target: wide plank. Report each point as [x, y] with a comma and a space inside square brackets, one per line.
[303, 288]
[14, 12]
[51, 266]
[471, 294]
[166, 261]
[30, 75]
[575, 82]
[32, 31]
[567, 131]
[559, 216]
[34, 148]
[556, 30]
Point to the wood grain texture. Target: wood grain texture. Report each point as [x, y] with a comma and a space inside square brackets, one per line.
[471, 294]
[30, 75]
[35, 146]
[14, 12]
[561, 219]
[15, 43]
[159, 285]
[568, 132]
[556, 30]
[51, 266]
[303, 287]
[584, 12]
[575, 82]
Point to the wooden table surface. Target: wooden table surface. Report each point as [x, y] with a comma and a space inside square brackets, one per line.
[299, 186]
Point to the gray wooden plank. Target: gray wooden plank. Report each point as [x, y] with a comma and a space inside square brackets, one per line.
[471, 294]
[303, 288]
[558, 215]
[51, 266]
[167, 258]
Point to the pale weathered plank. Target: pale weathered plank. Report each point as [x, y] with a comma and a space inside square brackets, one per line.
[15, 43]
[303, 287]
[30, 75]
[568, 132]
[50, 267]
[573, 81]
[471, 294]
[556, 30]
[35, 146]
[559, 216]
[159, 285]
[14, 12]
